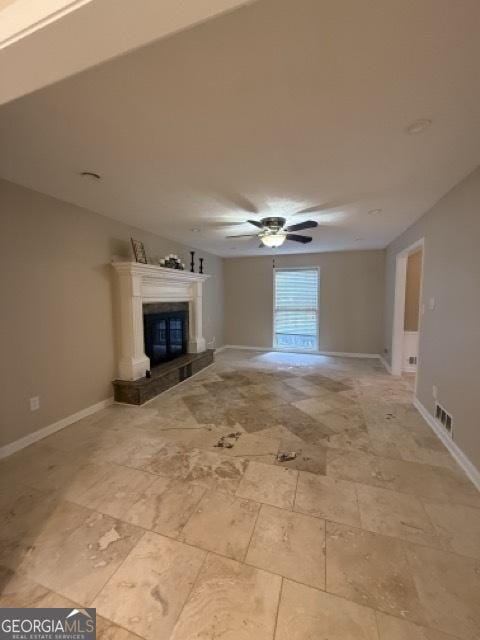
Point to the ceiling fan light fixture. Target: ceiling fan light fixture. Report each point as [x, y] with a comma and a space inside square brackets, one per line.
[273, 240]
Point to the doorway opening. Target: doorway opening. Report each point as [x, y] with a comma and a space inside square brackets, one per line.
[407, 310]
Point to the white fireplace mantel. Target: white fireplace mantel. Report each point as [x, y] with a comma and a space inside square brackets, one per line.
[143, 283]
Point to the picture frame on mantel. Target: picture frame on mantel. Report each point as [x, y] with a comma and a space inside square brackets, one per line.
[139, 251]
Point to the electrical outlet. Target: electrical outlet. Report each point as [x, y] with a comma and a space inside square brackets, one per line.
[35, 403]
[431, 304]
[434, 391]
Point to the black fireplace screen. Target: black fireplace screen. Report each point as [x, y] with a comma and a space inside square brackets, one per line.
[165, 335]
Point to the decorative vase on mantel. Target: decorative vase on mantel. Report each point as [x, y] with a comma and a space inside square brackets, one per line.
[172, 261]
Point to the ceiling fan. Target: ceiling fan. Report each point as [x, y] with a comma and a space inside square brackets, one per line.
[273, 231]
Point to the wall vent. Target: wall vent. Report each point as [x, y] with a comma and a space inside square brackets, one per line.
[444, 418]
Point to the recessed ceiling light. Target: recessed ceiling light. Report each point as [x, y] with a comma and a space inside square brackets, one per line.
[195, 230]
[90, 175]
[418, 126]
[374, 212]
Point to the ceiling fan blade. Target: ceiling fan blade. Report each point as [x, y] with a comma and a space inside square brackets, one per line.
[302, 239]
[244, 235]
[308, 224]
[256, 224]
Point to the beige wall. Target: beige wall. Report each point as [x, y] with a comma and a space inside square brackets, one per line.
[351, 299]
[412, 291]
[449, 351]
[57, 313]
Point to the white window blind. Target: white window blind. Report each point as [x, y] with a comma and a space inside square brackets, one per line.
[296, 309]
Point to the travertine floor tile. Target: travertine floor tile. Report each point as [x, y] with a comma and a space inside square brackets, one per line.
[448, 586]
[329, 498]
[17, 503]
[306, 613]
[355, 466]
[261, 443]
[222, 523]
[437, 483]
[457, 526]
[390, 628]
[215, 470]
[136, 451]
[18, 591]
[201, 437]
[355, 438]
[290, 544]
[149, 590]
[83, 478]
[151, 466]
[230, 600]
[78, 550]
[395, 514]
[372, 570]
[269, 484]
[314, 407]
[116, 492]
[433, 482]
[165, 506]
[309, 457]
[308, 388]
[107, 630]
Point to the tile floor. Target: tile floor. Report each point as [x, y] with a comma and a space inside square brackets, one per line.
[370, 533]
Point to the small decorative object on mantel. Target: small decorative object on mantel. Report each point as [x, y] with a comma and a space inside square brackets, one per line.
[201, 266]
[172, 261]
[139, 251]
[192, 261]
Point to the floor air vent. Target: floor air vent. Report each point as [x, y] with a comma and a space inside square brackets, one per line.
[444, 418]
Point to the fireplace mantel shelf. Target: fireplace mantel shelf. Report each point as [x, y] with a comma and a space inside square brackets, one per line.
[160, 273]
[141, 284]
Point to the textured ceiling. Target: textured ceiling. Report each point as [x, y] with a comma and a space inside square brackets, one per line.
[283, 107]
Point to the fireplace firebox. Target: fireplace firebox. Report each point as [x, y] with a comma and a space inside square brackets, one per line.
[165, 335]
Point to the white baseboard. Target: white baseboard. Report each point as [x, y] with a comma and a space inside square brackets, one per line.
[385, 364]
[31, 438]
[339, 354]
[466, 464]
[219, 349]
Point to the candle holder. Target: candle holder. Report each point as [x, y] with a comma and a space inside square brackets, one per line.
[192, 261]
[201, 265]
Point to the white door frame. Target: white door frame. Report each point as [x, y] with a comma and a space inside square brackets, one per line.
[399, 306]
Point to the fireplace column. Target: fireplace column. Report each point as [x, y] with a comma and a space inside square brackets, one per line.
[133, 361]
[196, 341]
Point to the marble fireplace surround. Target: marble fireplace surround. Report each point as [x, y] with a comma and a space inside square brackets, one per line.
[139, 284]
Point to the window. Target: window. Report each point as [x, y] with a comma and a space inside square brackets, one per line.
[296, 309]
